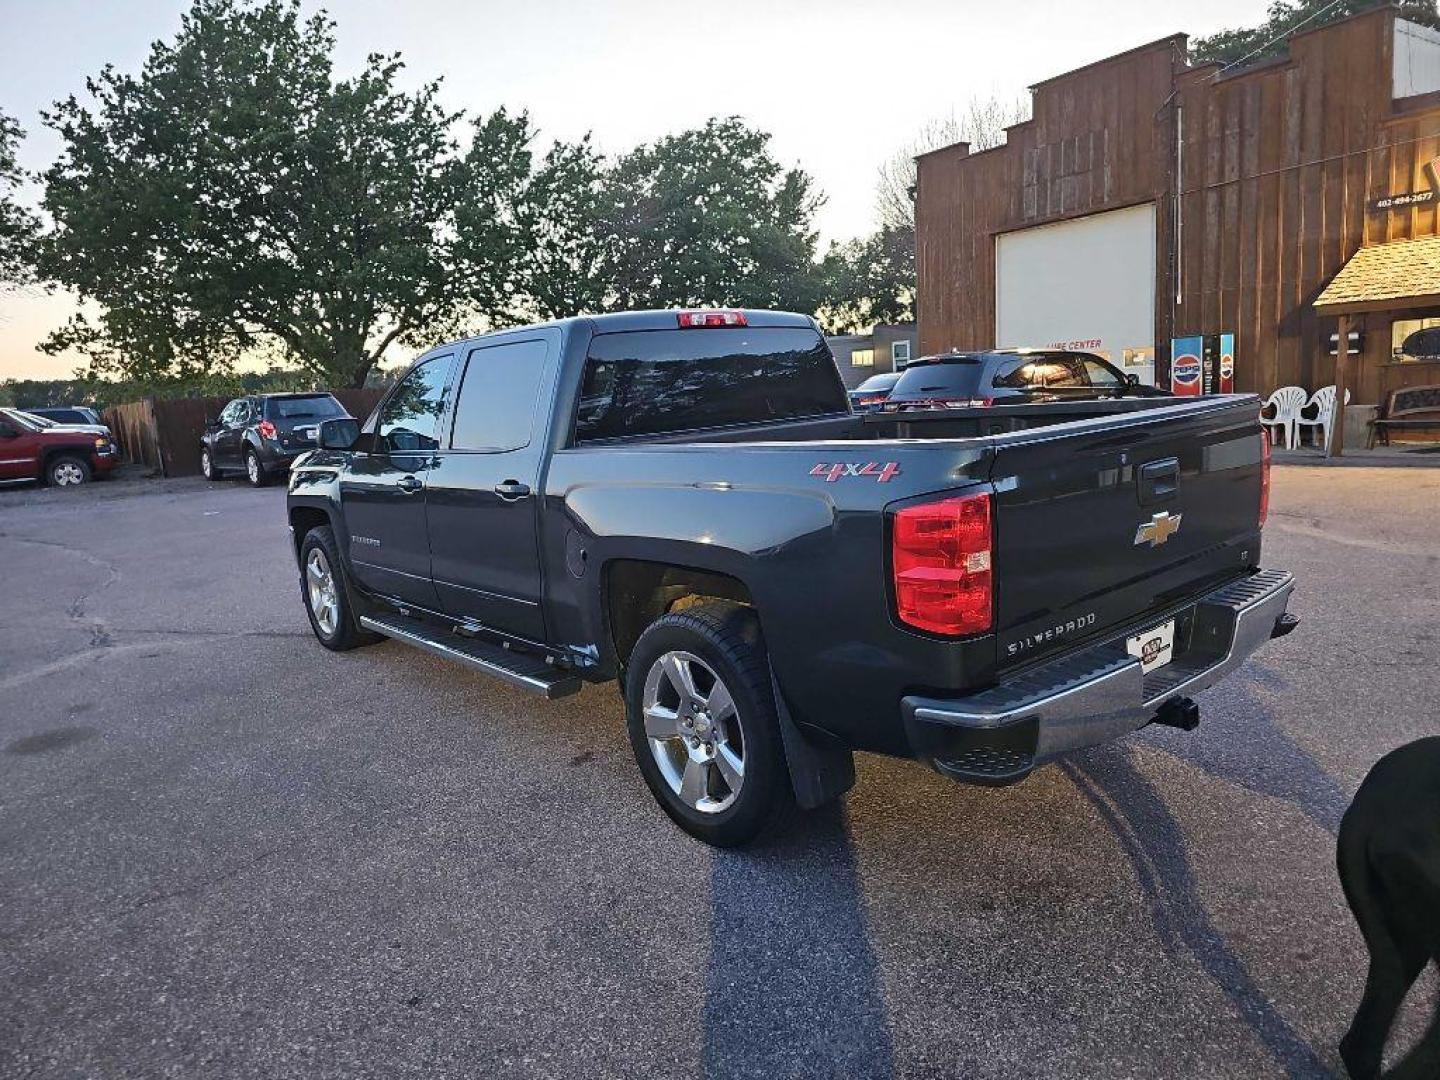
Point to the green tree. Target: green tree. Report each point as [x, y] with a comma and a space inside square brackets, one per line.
[870, 280]
[1284, 18]
[17, 224]
[236, 197]
[561, 218]
[708, 216]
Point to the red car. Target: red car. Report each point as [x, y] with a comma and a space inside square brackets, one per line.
[59, 454]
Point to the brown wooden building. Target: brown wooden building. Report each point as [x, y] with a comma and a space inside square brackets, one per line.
[1212, 200]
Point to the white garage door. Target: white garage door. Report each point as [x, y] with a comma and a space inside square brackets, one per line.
[1084, 284]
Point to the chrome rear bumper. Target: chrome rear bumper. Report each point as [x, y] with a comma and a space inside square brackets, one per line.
[1097, 694]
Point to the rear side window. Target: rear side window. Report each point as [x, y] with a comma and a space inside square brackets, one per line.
[953, 378]
[498, 395]
[1044, 372]
[310, 407]
[655, 382]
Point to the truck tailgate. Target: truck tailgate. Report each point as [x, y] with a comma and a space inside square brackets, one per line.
[1102, 522]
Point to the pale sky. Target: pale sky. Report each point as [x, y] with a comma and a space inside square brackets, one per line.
[840, 85]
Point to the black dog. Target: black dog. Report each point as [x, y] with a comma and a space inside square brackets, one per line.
[1389, 860]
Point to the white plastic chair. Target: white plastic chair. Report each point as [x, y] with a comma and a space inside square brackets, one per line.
[1323, 400]
[1287, 403]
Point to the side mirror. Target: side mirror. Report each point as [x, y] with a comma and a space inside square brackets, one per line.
[340, 434]
[1131, 379]
[212, 423]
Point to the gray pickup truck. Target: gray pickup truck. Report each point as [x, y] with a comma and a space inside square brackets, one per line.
[684, 501]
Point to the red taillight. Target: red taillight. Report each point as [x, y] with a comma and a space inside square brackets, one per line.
[941, 556]
[691, 320]
[1264, 477]
[266, 429]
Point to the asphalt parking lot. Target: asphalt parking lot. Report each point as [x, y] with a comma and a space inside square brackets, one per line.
[226, 852]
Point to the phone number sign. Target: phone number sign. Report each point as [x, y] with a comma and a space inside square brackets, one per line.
[1401, 202]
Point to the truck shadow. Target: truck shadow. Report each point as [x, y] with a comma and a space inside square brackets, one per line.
[1240, 742]
[1152, 839]
[793, 986]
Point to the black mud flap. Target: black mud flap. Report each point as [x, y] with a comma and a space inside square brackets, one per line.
[819, 772]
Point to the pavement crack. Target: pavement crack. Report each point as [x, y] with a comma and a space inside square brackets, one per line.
[76, 608]
[197, 887]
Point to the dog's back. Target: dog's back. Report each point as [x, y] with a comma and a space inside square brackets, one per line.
[1388, 855]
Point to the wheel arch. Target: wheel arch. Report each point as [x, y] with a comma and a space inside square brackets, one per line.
[636, 592]
[306, 516]
[49, 453]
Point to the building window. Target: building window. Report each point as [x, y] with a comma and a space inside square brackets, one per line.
[862, 357]
[1407, 343]
[900, 353]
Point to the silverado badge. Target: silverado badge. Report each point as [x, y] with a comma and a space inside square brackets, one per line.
[1158, 529]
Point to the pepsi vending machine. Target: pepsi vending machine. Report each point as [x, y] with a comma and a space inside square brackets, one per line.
[1202, 364]
[1186, 366]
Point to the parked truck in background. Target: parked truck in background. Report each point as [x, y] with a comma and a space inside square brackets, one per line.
[61, 455]
[685, 502]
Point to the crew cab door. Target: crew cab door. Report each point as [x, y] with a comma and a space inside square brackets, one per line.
[19, 450]
[482, 495]
[382, 490]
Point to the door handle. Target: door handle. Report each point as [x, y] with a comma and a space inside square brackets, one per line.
[511, 490]
[409, 485]
[1158, 481]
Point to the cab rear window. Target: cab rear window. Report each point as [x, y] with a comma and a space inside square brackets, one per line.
[659, 382]
[321, 406]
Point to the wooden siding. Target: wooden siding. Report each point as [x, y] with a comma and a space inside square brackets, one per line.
[1280, 164]
[1094, 143]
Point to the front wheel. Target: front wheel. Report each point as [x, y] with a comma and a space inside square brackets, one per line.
[702, 723]
[322, 587]
[67, 471]
[207, 465]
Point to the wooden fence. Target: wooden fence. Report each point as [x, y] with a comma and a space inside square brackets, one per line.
[165, 433]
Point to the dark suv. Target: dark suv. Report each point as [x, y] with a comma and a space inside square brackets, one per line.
[262, 434]
[1009, 377]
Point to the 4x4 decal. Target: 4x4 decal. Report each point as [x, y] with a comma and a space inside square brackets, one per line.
[882, 473]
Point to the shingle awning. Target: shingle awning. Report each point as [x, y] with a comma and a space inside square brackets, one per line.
[1400, 274]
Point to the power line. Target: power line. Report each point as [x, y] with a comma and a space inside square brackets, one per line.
[1280, 37]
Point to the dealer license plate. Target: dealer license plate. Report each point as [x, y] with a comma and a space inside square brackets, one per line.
[1155, 647]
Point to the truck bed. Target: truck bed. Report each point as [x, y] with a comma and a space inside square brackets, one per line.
[953, 423]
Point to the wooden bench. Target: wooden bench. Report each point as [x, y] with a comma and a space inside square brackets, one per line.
[1412, 408]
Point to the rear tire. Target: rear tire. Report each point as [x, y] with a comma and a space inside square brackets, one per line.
[254, 470]
[326, 595]
[67, 471]
[701, 718]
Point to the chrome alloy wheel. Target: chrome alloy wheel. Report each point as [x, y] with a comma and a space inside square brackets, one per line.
[320, 589]
[694, 732]
[206, 466]
[252, 467]
[67, 474]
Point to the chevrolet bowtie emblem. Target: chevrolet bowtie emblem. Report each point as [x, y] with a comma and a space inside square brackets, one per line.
[1158, 529]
